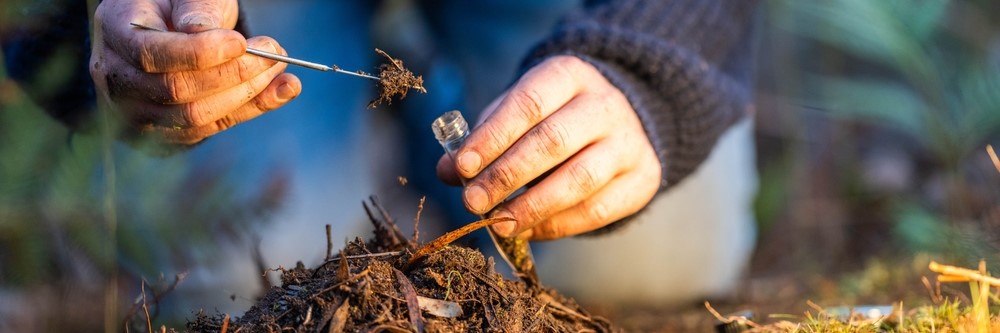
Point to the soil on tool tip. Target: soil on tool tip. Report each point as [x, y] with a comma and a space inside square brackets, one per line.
[395, 80]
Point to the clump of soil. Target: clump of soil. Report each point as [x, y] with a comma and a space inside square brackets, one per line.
[373, 287]
[394, 79]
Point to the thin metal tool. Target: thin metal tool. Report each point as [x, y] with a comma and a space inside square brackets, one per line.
[451, 129]
[290, 60]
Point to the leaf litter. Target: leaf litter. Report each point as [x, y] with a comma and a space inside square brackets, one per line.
[376, 286]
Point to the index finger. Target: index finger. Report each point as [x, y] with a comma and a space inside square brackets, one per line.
[539, 93]
[160, 51]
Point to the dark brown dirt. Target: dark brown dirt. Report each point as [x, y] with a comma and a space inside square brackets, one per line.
[369, 287]
[395, 80]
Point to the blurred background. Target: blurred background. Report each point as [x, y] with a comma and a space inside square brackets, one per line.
[871, 126]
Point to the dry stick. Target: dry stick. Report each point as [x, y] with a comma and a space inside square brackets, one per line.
[814, 306]
[258, 260]
[388, 219]
[357, 256]
[343, 271]
[388, 328]
[149, 324]
[556, 305]
[393, 61]
[416, 222]
[936, 298]
[178, 278]
[486, 280]
[993, 156]
[329, 243]
[225, 324]
[350, 279]
[444, 240]
[950, 273]
[534, 320]
[156, 299]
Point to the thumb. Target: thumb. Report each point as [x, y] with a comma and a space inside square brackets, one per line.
[193, 16]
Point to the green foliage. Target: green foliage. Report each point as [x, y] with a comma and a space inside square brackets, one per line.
[941, 85]
[81, 206]
[926, 71]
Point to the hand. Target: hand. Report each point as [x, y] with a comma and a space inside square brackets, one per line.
[189, 83]
[564, 128]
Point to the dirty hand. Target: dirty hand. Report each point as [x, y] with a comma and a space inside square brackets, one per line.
[187, 84]
[571, 134]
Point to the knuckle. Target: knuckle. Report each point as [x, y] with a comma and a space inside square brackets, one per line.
[498, 137]
[597, 211]
[192, 116]
[552, 138]
[529, 211]
[263, 103]
[503, 177]
[583, 177]
[225, 123]
[147, 59]
[201, 60]
[564, 65]
[180, 87]
[529, 104]
[550, 230]
[244, 70]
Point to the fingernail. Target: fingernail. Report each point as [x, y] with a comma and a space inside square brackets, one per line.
[469, 162]
[476, 198]
[198, 20]
[504, 229]
[286, 92]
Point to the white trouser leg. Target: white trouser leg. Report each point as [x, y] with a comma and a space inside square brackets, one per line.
[690, 243]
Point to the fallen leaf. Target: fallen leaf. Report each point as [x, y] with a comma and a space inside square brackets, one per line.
[440, 308]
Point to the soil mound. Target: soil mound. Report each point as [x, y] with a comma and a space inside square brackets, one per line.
[373, 287]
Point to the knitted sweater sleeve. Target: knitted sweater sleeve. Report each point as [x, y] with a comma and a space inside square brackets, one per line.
[683, 65]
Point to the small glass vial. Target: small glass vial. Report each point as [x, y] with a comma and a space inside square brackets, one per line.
[451, 129]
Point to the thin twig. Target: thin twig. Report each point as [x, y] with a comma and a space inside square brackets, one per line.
[369, 255]
[935, 297]
[393, 61]
[357, 256]
[950, 273]
[388, 220]
[258, 260]
[348, 280]
[149, 323]
[444, 240]
[225, 324]
[993, 156]
[329, 243]
[416, 222]
[534, 320]
[140, 301]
